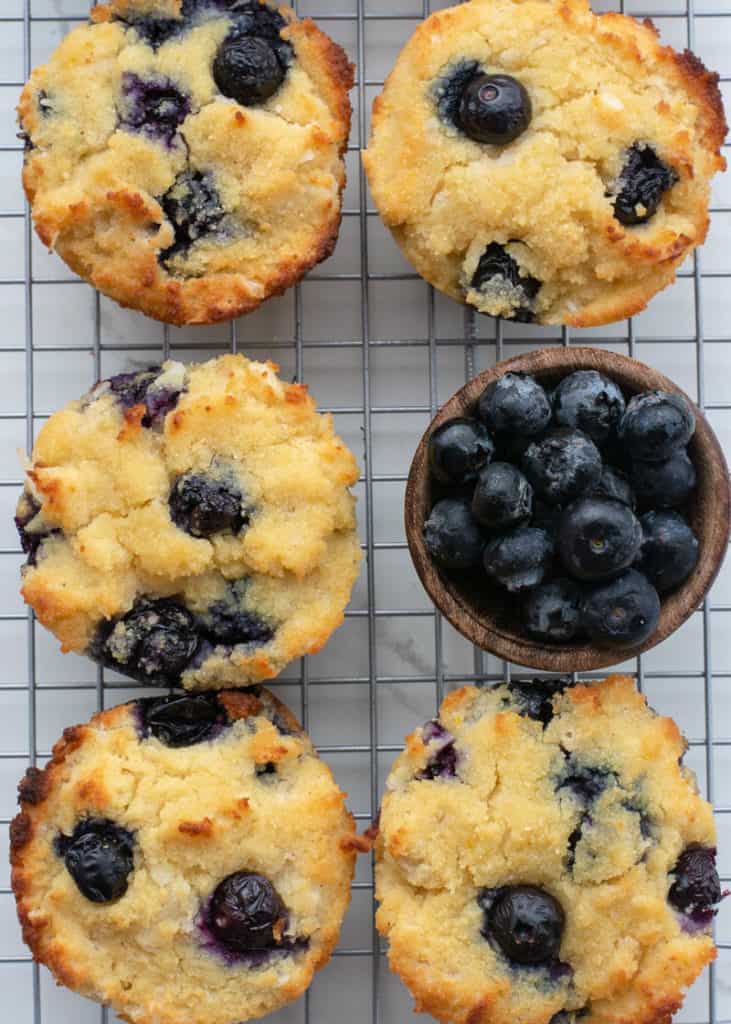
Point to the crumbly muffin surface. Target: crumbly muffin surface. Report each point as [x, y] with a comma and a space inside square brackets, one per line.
[579, 793]
[168, 194]
[191, 524]
[528, 230]
[251, 797]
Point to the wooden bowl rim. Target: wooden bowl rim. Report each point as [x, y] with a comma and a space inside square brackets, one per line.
[677, 607]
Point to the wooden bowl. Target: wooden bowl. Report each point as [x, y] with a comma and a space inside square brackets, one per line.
[479, 613]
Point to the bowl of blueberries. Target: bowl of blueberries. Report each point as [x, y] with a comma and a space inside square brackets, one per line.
[568, 509]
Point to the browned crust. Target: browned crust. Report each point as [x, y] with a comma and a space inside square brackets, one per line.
[33, 791]
[205, 300]
[240, 705]
[704, 87]
[442, 997]
[218, 297]
[638, 41]
[196, 829]
[37, 784]
[338, 71]
[371, 834]
[355, 844]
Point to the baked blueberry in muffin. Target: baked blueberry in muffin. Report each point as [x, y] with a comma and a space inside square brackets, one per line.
[190, 525]
[564, 868]
[186, 156]
[533, 193]
[155, 872]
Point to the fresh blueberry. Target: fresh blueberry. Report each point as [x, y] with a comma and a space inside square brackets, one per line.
[246, 69]
[499, 274]
[587, 400]
[519, 559]
[154, 642]
[526, 922]
[203, 505]
[547, 517]
[696, 887]
[155, 107]
[666, 484]
[449, 89]
[642, 182]
[613, 484]
[502, 497]
[669, 550]
[563, 466]
[510, 447]
[99, 856]
[194, 208]
[494, 109]
[552, 611]
[655, 425]
[229, 622]
[458, 450]
[623, 612]
[598, 538]
[515, 404]
[247, 912]
[535, 698]
[443, 758]
[452, 536]
[181, 720]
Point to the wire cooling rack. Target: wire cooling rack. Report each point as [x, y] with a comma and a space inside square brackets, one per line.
[381, 351]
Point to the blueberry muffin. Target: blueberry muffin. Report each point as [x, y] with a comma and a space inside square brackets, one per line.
[544, 856]
[184, 859]
[191, 525]
[186, 156]
[541, 163]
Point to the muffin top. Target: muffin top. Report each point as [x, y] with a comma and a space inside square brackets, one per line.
[185, 156]
[539, 162]
[186, 860]
[191, 524]
[545, 856]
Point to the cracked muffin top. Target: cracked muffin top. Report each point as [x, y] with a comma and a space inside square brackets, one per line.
[185, 156]
[541, 163]
[544, 856]
[184, 859]
[191, 525]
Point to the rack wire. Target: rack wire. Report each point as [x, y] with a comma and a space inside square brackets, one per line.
[381, 351]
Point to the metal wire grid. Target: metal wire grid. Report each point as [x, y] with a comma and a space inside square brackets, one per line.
[473, 347]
